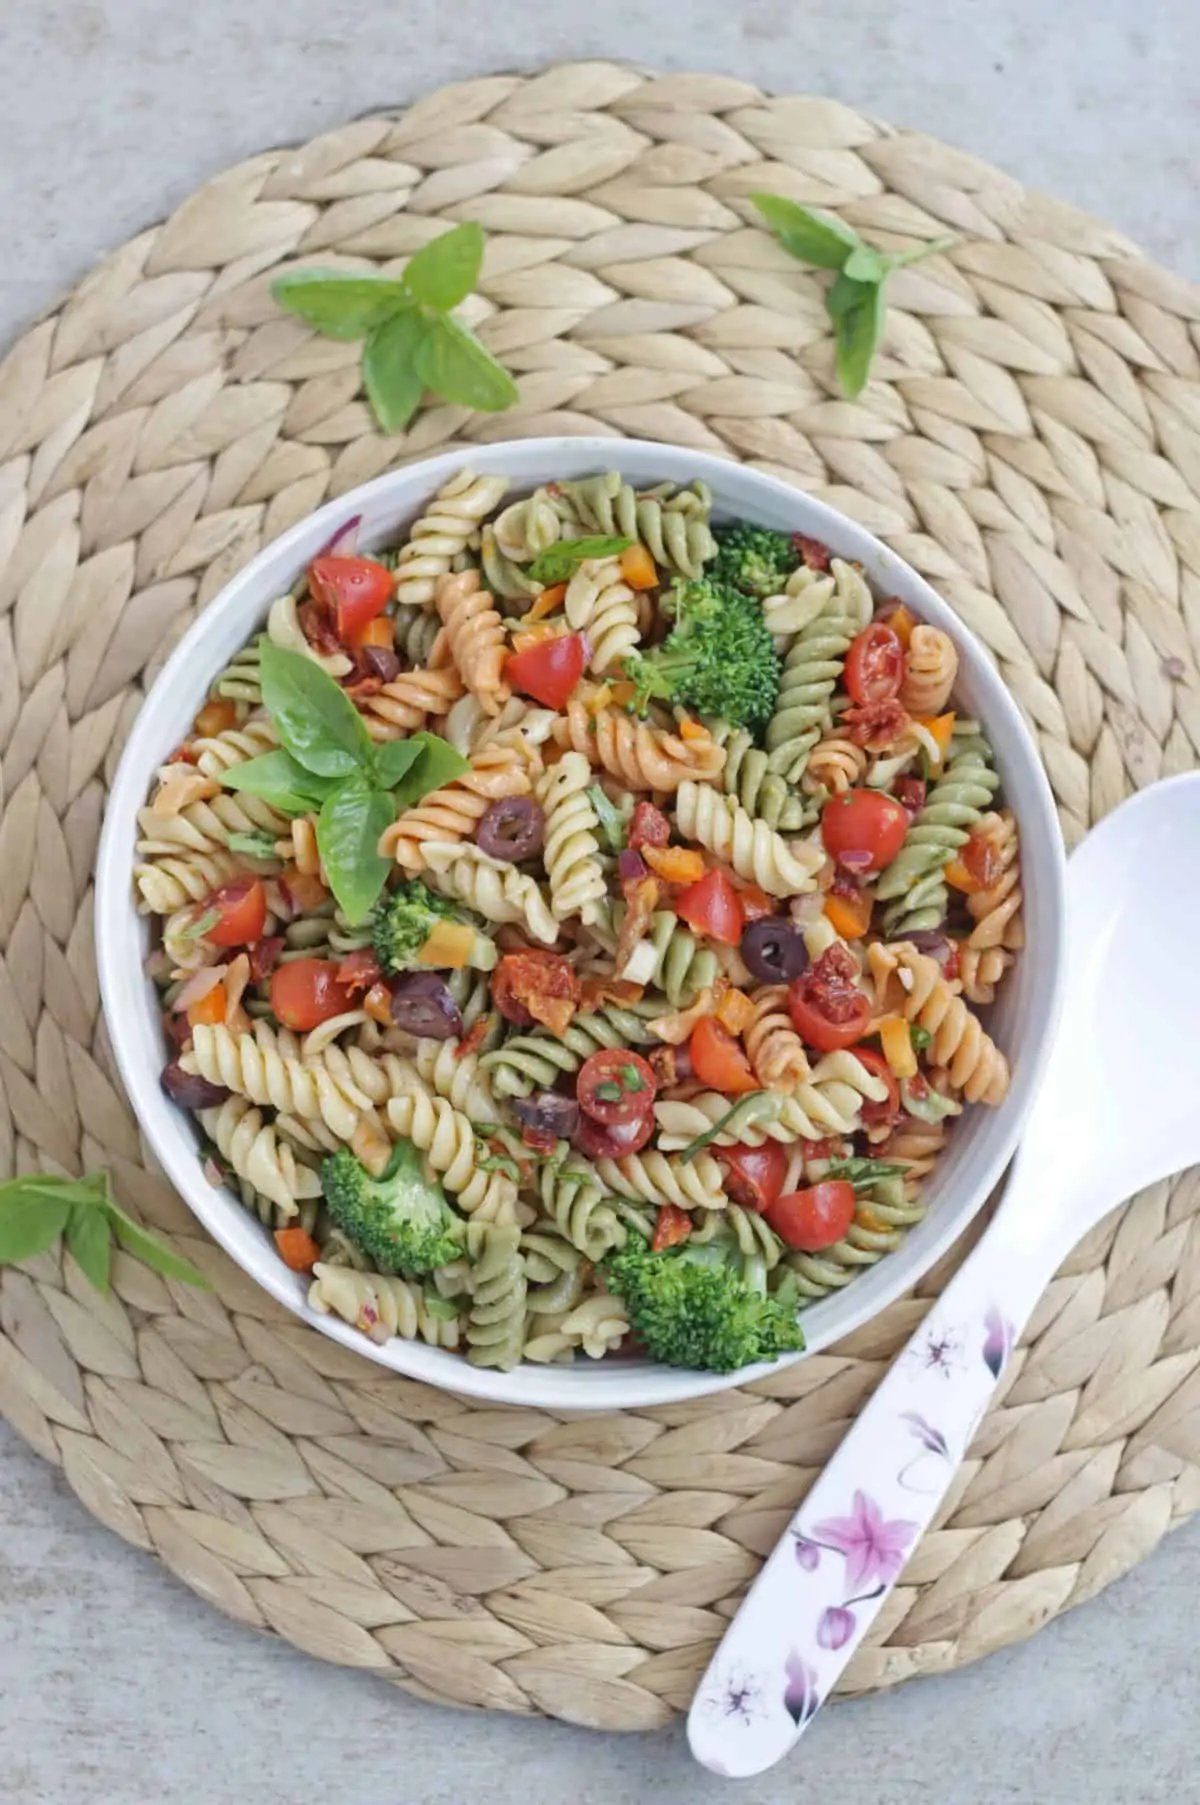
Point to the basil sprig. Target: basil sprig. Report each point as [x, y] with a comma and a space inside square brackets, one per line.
[413, 341]
[37, 1209]
[329, 765]
[856, 298]
[557, 562]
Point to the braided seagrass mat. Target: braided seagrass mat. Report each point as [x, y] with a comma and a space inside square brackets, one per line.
[1030, 441]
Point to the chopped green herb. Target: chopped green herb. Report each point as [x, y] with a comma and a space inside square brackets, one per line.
[755, 1106]
[631, 1078]
[200, 927]
[557, 562]
[920, 1037]
[608, 1092]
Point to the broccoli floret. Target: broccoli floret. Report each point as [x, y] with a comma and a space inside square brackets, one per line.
[400, 1220]
[718, 659]
[691, 1306]
[403, 920]
[754, 559]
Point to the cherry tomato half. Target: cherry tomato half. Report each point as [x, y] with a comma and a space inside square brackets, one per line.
[887, 1111]
[816, 1218]
[672, 1226]
[306, 992]
[712, 907]
[718, 1060]
[352, 590]
[875, 664]
[615, 1086]
[863, 829]
[754, 1175]
[549, 670]
[595, 1141]
[827, 1008]
[241, 910]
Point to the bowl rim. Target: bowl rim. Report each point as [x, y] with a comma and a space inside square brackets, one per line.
[630, 1386]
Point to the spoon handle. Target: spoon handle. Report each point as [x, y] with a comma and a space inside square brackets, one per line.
[829, 1576]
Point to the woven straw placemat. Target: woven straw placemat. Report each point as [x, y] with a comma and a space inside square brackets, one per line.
[1030, 441]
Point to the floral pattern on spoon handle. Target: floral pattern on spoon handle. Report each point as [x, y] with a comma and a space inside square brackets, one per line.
[826, 1581]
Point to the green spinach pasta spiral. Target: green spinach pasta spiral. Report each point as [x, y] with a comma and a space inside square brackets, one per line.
[811, 671]
[748, 777]
[533, 1061]
[912, 884]
[672, 524]
[496, 1324]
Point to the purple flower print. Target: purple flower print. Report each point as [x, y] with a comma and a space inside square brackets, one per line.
[800, 1697]
[733, 1692]
[932, 1442]
[808, 1555]
[931, 1439]
[874, 1549]
[835, 1627]
[998, 1343]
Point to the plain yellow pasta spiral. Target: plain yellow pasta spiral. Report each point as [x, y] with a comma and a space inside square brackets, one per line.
[655, 1178]
[447, 1139]
[498, 892]
[379, 1306]
[600, 602]
[913, 984]
[757, 852]
[775, 1050]
[577, 885]
[642, 756]
[932, 667]
[502, 768]
[442, 534]
[271, 1067]
[168, 884]
[254, 1150]
[475, 634]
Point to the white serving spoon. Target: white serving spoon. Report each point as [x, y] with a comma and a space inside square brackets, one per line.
[1119, 1107]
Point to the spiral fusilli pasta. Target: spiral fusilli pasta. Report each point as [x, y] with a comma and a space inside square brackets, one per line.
[496, 1324]
[253, 1149]
[755, 851]
[475, 635]
[914, 984]
[442, 533]
[601, 604]
[498, 892]
[913, 884]
[811, 671]
[931, 672]
[380, 1306]
[642, 756]
[577, 882]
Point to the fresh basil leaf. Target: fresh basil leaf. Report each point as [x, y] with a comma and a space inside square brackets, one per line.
[147, 1248]
[389, 368]
[859, 331]
[813, 237]
[451, 361]
[339, 303]
[313, 716]
[394, 759]
[253, 845]
[557, 562]
[196, 930]
[920, 1037]
[30, 1221]
[348, 830]
[89, 1238]
[862, 1172]
[279, 780]
[753, 1106]
[866, 264]
[438, 765]
[844, 294]
[443, 272]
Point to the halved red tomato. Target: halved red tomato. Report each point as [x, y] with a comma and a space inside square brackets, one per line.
[863, 829]
[754, 1175]
[875, 664]
[827, 1008]
[718, 1059]
[352, 590]
[814, 1218]
[306, 992]
[241, 912]
[549, 670]
[712, 907]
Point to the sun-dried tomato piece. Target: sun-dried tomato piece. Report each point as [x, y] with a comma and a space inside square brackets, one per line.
[813, 552]
[876, 725]
[536, 986]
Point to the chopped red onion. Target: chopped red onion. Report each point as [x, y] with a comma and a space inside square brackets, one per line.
[631, 866]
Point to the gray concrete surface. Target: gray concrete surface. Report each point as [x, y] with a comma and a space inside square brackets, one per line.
[117, 1686]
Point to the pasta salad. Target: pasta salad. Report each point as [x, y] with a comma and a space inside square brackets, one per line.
[576, 925]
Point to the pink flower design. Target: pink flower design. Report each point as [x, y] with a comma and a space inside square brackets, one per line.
[835, 1627]
[874, 1548]
[801, 1695]
[808, 1555]
[998, 1343]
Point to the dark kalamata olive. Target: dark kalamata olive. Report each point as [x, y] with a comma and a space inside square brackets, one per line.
[190, 1090]
[381, 662]
[513, 829]
[928, 940]
[774, 950]
[422, 1005]
[559, 1116]
[631, 866]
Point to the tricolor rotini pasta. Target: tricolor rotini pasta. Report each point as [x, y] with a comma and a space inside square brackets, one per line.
[573, 922]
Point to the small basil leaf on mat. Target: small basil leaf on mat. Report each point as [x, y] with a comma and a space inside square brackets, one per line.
[865, 264]
[315, 718]
[30, 1221]
[147, 1248]
[813, 237]
[557, 562]
[281, 781]
[439, 764]
[339, 303]
[452, 362]
[89, 1238]
[859, 331]
[444, 271]
[389, 368]
[348, 830]
[394, 759]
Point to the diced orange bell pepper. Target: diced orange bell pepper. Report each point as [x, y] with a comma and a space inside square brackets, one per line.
[735, 1011]
[217, 716]
[638, 568]
[896, 1041]
[598, 698]
[544, 604]
[902, 623]
[692, 731]
[378, 632]
[850, 915]
[449, 945]
[673, 1225]
[297, 1249]
[958, 877]
[755, 903]
[210, 1009]
[675, 864]
[939, 727]
[533, 636]
[378, 1005]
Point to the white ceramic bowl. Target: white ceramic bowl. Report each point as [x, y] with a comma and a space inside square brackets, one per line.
[1023, 1020]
